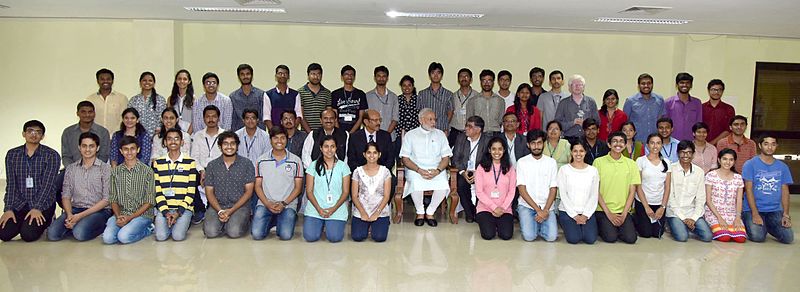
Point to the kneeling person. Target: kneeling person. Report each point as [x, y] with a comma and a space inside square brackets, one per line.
[131, 197]
[229, 185]
[279, 181]
[176, 179]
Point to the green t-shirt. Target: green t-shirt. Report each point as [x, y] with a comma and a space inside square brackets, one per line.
[616, 177]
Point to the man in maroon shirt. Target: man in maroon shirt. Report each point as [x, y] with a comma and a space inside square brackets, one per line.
[716, 113]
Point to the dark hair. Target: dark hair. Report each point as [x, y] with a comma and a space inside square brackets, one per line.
[486, 72]
[617, 134]
[154, 95]
[487, 161]
[249, 110]
[683, 76]
[372, 144]
[127, 140]
[281, 66]
[572, 147]
[173, 97]
[89, 135]
[163, 131]
[610, 92]
[737, 117]
[409, 79]
[685, 144]
[504, 73]
[84, 103]
[210, 75]
[225, 135]
[560, 128]
[435, 66]
[518, 104]
[629, 123]
[510, 114]
[765, 135]
[722, 153]
[716, 82]
[33, 123]
[289, 111]
[535, 70]
[348, 68]
[380, 68]
[590, 122]
[663, 162]
[533, 135]
[211, 108]
[276, 130]
[320, 164]
[313, 67]
[103, 71]
[243, 67]
[477, 121]
[644, 76]
[698, 126]
[465, 70]
[664, 120]
[139, 128]
[554, 72]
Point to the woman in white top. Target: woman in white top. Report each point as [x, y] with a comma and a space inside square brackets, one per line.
[578, 185]
[169, 120]
[652, 195]
[371, 188]
[182, 99]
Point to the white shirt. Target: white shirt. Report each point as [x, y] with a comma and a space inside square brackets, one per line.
[653, 179]
[267, 108]
[687, 197]
[253, 147]
[473, 153]
[509, 100]
[308, 147]
[538, 176]
[426, 149]
[204, 148]
[578, 189]
[374, 135]
[510, 150]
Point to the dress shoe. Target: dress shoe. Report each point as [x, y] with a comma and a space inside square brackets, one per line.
[419, 222]
[431, 222]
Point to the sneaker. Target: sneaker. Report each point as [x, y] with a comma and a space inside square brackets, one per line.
[198, 218]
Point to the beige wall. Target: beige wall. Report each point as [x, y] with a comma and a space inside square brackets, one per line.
[48, 65]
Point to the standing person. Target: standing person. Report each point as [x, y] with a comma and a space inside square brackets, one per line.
[537, 77]
[504, 82]
[670, 144]
[294, 137]
[349, 102]
[467, 155]
[653, 193]
[255, 140]
[687, 197]
[246, 97]
[131, 127]
[176, 180]
[705, 154]
[536, 181]
[328, 188]
[548, 101]
[371, 194]
[744, 147]
[182, 99]
[717, 113]
[169, 120]
[460, 98]
[384, 101]
[281, 99]
[645, 107]
[495, 190]
[211, 97]
[132, 197]
[204, 150]
[724, 199]
[278, 185]
[437, 98]
[592, 144]
[684, 109]
[84, 195]
[229, 186]
[529, 116]
[554, 146]
[575, 109]
[148, 103]
[766, 207]
[633, 148]
[488, 105]
[106, 101]
[314, 98]
[70, 151]
[611, 117]
[619, 176]
[407, 104]
[578, 184]
[31, 170]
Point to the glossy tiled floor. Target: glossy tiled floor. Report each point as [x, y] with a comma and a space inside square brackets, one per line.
[446, 258]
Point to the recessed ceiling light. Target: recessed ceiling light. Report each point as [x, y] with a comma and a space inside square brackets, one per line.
[235, 9]
[641, 20]
[394, 14]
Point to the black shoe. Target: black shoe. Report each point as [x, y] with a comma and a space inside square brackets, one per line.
[431, 222]
[469, 219]
[419, 222]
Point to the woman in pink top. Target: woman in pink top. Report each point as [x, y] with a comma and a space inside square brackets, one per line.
[495, 185]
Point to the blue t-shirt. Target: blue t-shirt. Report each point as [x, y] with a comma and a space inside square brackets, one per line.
[334, 179]
[768, 181]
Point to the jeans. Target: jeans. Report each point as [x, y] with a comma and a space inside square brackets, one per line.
[610, 233]
[531, 229]
[236, 226]
[359, 229]
[312, 229]
[264, 220]
[178, 229]
[28, 232]
[680, 232]
[491, 226]
[772, 225]
[136, 229]
[574, 232]
[87, 228]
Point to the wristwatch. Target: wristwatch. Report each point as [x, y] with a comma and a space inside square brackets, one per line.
[283, 203]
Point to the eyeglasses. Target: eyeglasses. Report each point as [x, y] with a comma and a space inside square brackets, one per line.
[211, 82]
[716, 90]
[686, 153]
[33, 132]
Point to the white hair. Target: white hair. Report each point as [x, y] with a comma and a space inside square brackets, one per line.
[424, 111]
[576, 77]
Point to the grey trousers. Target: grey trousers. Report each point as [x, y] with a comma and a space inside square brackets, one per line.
[237, 226]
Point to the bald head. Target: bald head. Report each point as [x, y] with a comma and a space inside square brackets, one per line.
[372, 120]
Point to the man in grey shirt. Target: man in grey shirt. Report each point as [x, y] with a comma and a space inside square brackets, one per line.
[70, 152]
[574, 109]
[384, 101]
[460, 99]
[229, 185]
[279, 182]
[246, 97]
[295, 138]
[488, 105]
[548, 101]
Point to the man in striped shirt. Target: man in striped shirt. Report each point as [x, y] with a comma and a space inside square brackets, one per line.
[437, 98]
[176, 180]
[131, 197]
[313, 98]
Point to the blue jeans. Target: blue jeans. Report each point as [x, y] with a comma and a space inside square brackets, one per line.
[531, 229]
[574, 232]
[312, 229]
[178, 229]
[360, 229]
[136, 229]
[680, 232]
[772, 225]
[87, 228]
[264, 220]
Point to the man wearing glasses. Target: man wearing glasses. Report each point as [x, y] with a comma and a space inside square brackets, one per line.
[212, 97]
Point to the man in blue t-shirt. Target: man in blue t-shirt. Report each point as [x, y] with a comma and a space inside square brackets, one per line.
[766, 205]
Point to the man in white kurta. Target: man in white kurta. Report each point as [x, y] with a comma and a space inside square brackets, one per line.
[426, 154]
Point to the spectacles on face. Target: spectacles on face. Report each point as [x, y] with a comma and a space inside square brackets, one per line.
[33, 131]
[686, 153]
[211, 82]
[716, 90]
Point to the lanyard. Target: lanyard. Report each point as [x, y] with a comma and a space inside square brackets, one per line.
[172, 172]
[466, 98]
[473, 149]
[552, 150]
[668, 153]
[496, 175]
[511, 144]
[593, 150]
[329, 179]
[248, 147]
[209, 145]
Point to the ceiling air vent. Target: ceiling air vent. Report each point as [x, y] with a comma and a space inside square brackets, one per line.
[649, 10]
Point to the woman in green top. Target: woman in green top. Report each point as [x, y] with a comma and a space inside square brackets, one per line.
[633, 149]
[555, 147]
[327, 188]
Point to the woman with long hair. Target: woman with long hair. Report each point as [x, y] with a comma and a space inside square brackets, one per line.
[578, 186]
[633, 149]
[169, 120]
[130, 126]
[724, 189]
[328, 188]
[652, 195]
[495, 187]
[182, 98]
[611, 117]
[148, 103]
[529, 116]
[371, 189]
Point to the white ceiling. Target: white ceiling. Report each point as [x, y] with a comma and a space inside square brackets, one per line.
[774, 18]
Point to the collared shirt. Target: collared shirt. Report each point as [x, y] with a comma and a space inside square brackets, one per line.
[706, 157]
[309, 144]
[132, 188]
[70, 146]
[599, 149]
[460, 108]
[159, 149]
[313, 104]
[108, 110]
[241, 102]
[229, 182]
[253, 147]
[267, 110]
[387, 106]
[149, 116]
[669, 151]
[717, 118]
[616, 177]
[440, 102]
[510, 144]
[548, 103]
[278, 177]
[684, 115]
[86, 186]
[204, 148]
[295, 143]
[687, 193]
[220, 101]
[41, 169]
[409, 118]
[568, 111]
[491, 109]
[744, 151]
[144, 140]
[473, 153]
[644, 113]
[175, 183]
[538, 176]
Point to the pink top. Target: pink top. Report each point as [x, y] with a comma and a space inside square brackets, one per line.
[485, 185]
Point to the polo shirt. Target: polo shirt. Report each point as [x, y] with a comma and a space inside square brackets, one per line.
[313, 104]
[228, 183]
[278, 177]
[176, 183]
[616, 177]
[717, 118]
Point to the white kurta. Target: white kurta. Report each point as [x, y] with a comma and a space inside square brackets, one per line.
[426, 149]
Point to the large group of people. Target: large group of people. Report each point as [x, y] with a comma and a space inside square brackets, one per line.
[253, 160]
